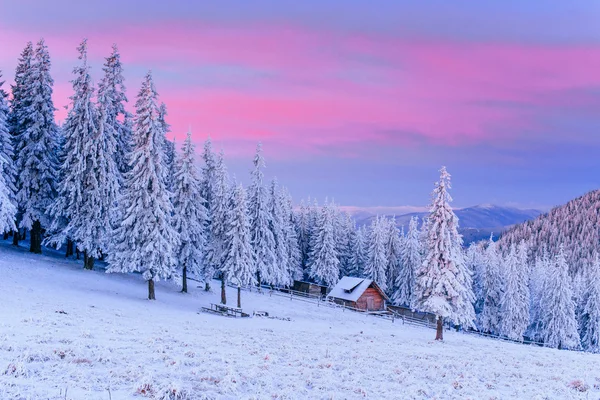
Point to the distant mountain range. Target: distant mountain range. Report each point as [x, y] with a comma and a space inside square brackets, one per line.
[476, 223]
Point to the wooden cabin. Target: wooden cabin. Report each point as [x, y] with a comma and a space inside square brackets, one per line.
[359, 293]
[310, 288]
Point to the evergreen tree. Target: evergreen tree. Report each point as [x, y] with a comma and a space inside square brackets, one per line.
[87, 187]
[324, 264]
[238, 263]
[359, 253]
[7, 206]
[443, 284]
[376, 262]
[558, 323]
[189, 214]
[537, 283]
[590, 326]
[37, 144]
[410, 261]
[302, 218]
[280, 273]
[393, 250]
[219, 209]
[514, 305]
[145, 239]
[475, 263]
[263, 242]
[111, 105]
[6, 145]
[294, 256]
[207, 187]
[492, 290]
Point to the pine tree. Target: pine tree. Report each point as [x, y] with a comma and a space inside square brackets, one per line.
[7, 173]
[111, 106]
[69, 212]
[324, 263]
[443, 284]
[280, 274]
[263, 242]
[207, 184]
[590, 326]
[359, 253]
[219, 210]
[474, 259]
[492, 290]
[145, 239]
[410, 261]
[189, 213]
[376, 262]
[393, 250]
[294, 256]
[238, 263]
[37, 146]
[514, 305]
[558, 323]
[302, 218]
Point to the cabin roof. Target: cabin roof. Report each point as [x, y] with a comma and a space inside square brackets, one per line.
[351, 288]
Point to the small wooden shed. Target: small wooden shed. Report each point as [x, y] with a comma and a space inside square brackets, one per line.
[359, 293]
[310, 288]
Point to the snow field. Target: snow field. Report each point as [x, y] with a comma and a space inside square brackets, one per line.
[66, 329]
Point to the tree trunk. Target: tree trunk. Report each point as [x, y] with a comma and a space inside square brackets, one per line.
[6, 234]
[184, 284]
[24, 234]
[207, 286]
[439, 332]
[223, 294]
[85, 259]
[77, 252]
[36, 238]
[151, 295]
[239, 297]
[258, 280]
[16, 236]
[69, 252]
[88, 263]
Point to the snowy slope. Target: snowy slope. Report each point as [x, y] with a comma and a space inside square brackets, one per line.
[112, 338]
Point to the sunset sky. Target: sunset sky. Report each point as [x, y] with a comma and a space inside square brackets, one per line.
[361, 101]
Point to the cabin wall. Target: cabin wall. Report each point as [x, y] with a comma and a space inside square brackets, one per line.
[377, 302]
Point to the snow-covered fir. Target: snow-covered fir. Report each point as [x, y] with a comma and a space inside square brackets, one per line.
[324, 265]
[145, 241]
[443, 282]
[189, 214]
[410, 262]
[376, 264]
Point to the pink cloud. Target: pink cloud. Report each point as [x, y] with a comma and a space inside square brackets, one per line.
[309, 89]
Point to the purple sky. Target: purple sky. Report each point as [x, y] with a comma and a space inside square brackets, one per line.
[360, 101]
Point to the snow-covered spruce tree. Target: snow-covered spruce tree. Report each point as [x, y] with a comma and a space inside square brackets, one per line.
[410, 261]
[376, 261]
[324, 264]
[393, 250]
[474, 259]
[514, 304]
[280, 274]
[294, 257]
[590, 318]
[169, 146]
[303, 229]
[238, 262]
[443, 282]
[7, 206]
[18, 116]
[145, 239]
[207, 183]
[79, 131]
[344, 229]
[111, 105]
[219, 210]
[37, 147]
[189, 213]
[359, 253]
[557, 313]
[489, 319]
[263, 242]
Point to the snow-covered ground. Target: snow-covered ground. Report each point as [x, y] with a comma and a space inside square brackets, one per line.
[66, 333]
